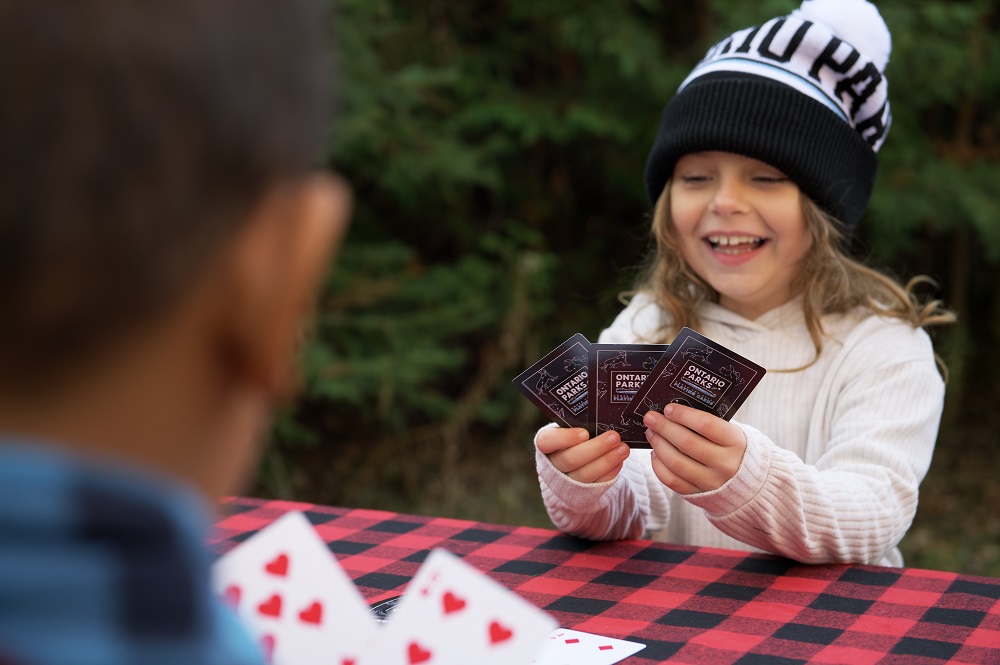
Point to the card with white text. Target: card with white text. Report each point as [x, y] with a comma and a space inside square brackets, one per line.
[697, 372]
[617, 373]
[558, 383]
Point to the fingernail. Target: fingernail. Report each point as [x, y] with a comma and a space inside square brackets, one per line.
[649, 434]
[668, 409]
[612, 436]
[583, 435]
[623, 451]
[649, 419]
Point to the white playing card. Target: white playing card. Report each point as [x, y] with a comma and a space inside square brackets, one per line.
[572, 647]
[454, 614]
[293, 595]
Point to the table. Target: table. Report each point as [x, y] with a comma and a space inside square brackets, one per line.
[687, 604]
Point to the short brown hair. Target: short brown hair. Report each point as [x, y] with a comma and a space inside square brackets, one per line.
[136, 137]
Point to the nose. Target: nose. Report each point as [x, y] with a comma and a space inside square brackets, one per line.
[728, 197]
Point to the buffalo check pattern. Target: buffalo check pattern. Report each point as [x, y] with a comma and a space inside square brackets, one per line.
[687, 605]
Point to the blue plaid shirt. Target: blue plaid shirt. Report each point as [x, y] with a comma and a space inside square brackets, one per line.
[102, 566]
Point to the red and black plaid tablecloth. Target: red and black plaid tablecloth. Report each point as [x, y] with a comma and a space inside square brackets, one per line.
[688, 605]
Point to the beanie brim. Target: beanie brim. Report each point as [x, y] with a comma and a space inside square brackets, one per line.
[760, 118]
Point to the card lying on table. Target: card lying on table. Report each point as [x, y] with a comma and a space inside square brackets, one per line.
[578, 648]
[617, 372]
[558, 383]
[698, 372]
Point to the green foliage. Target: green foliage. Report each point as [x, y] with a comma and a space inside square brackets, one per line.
[497, 149]
[944, 145]
[396, 334]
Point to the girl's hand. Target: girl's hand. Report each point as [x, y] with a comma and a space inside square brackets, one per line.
[693, 451]
[572, 451]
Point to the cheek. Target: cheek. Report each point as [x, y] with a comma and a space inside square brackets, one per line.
[803, 240]
[685, 216]
[788, 221]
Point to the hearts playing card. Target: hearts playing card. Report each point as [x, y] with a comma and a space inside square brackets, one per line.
[697, 372]
[454, 614]
[293, 595]
[565, 647]
[558, 383]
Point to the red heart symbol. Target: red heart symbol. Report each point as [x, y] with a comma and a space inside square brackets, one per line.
[418, 655]
[267, 645]
[271, 607]
[499, 633]
[232, 595]
[278, 565]
[312, 614]
[452, 603]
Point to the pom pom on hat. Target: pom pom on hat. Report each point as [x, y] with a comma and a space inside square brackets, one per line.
[804, 93]
[857, 22]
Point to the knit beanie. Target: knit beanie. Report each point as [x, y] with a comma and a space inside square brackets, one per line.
[804, 93]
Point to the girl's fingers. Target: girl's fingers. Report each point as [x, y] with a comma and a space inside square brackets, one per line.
[604, 468]
[591, 459]
[724, 455]
[691, 472]
[671, 479]
[553, 439]
[709, 426]
[680, 437]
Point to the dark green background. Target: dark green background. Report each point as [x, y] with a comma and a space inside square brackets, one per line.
[496, 149]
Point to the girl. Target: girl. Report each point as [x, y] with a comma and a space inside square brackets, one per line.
[763, 166]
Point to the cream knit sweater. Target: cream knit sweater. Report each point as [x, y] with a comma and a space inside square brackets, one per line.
[835, 452]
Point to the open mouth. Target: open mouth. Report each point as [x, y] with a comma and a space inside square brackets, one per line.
[735, 244]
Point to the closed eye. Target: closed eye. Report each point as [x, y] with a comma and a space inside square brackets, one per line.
[771, 178]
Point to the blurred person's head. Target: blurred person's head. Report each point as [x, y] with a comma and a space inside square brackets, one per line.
[162, 223]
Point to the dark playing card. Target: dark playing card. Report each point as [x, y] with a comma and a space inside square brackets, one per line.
[697, 372]
[617, 372]
[558, 383]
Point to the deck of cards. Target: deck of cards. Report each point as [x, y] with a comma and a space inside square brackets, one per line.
[605, 387]
[303, 609]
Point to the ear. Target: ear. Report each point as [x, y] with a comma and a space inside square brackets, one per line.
[275, 269]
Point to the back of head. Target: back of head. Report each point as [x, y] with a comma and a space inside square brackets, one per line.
[136, 138]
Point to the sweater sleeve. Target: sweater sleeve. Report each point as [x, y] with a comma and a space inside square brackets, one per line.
[859, 498]
[611, 510]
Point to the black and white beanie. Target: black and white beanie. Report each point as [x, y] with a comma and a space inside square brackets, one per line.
[804, 93]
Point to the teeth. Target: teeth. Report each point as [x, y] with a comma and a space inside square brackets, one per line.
[729, 241]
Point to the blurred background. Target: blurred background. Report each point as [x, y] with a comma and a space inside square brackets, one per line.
[496, 149]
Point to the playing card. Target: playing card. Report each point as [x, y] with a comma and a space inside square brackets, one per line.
[697, 372]
[572, 647]
[617, 371]
[558, 383]
[293, 595]
[452, 614]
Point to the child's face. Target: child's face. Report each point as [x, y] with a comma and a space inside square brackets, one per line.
[740, 227]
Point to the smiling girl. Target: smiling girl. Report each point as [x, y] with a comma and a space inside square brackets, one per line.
[762, 168]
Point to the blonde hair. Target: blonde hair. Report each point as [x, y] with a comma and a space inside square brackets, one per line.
[829, 281]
